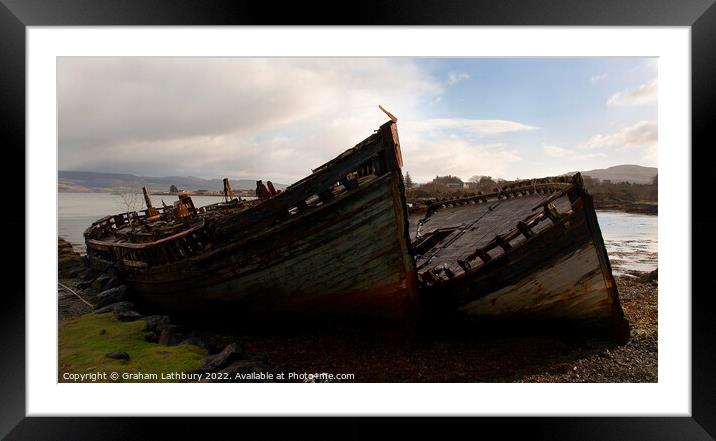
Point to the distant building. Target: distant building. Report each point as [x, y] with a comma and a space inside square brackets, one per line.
[471, 185]
[447, 180]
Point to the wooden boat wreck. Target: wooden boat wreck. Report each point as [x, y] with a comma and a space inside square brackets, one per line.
[332, 245]
[528, 253]
[337, 245]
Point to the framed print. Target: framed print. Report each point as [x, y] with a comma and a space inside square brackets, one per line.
[458, 217]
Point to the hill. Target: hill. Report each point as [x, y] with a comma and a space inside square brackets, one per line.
[635, 174]
[80, 181]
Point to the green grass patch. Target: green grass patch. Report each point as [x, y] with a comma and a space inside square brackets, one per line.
[85, 341]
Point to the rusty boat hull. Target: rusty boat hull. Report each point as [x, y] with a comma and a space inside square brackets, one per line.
[531, 254]
[334, 247]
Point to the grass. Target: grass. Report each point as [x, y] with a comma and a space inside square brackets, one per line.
[83, 343]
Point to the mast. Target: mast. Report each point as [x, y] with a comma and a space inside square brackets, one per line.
[151, 211]
[227, 190]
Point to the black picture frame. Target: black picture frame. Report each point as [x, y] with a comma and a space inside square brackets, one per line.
[16, 15]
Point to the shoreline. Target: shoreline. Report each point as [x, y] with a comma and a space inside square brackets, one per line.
[648, 209]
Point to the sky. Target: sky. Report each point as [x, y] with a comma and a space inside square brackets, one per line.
[276, 118]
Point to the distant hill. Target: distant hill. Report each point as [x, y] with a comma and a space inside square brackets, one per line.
[80, 181]
[635, 174]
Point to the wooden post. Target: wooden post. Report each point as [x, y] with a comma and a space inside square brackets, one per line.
[525, 229]
[448, 272]
[271, 188]
[147, 199]
[151, 211]
[482, 254]
[464, 265]
[227, 190]
[502, 243]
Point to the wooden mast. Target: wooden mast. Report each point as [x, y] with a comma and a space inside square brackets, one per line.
[227, 190]
[151, 211]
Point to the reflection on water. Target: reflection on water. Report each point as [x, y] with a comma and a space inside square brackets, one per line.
[631, 240]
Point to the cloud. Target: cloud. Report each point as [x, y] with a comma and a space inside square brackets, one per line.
[239, 117]
[554, 151]
[260, 118]
[474, 126]
[597, 78]
[455, 77]
[426, 158]
[642, 137]
[644, 94]
[641, 134]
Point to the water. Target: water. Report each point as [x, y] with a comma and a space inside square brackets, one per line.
[631, 239]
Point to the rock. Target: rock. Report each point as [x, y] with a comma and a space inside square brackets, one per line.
[69, 262]
[102, 331]
[112, 283]
[230, 353]
[100, 283]
[71, 270]
[652, 276]
[171, 335]
[126, 315]
[156, 323]
[204, 343]
[119, 306]
[90, 274]
[118, 355]
[112, 295]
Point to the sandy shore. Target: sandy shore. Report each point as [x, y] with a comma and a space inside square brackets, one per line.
[515, 358]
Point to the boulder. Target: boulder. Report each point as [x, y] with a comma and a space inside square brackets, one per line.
[71, 270]
[118, 355]
[100, 283]
[112, 307]
[113, 282]
[171, 335]
[127, 315]
[156, 323]
[109, 296]
[230, 353]
[207, 343]
[69, 262]
[90, 274]
[652, 276]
